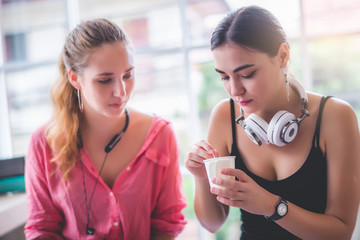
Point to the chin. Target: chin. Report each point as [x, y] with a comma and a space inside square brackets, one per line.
[115, 114]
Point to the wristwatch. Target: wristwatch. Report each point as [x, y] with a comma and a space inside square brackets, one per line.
[281, 209]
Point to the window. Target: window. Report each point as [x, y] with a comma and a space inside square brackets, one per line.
[16, 48]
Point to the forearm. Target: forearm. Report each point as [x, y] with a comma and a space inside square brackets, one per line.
[309, 225]
[210, 212]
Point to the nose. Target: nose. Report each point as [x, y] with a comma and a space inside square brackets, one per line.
[119, 89]
[236, 87]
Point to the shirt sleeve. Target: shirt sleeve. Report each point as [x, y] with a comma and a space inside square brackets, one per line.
[167, 217]
[44, 220]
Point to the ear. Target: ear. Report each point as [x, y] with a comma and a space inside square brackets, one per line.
[283, 54]
[73, 79]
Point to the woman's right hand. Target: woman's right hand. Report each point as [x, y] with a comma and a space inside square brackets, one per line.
[199, 152]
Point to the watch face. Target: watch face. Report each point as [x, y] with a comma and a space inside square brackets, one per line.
[282, 209]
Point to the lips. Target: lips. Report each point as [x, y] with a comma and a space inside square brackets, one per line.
[115, 105]
[244, 102]
[118, 103]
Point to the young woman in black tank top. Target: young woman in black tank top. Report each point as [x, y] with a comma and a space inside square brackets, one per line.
[301, 182]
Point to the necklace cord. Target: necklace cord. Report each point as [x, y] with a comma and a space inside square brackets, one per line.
[107, 149]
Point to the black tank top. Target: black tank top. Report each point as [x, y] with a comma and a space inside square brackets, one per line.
[306, 188]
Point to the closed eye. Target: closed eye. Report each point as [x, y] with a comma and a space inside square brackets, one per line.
[250, 75]
[128, 76]
[225, 78]
[104, 81]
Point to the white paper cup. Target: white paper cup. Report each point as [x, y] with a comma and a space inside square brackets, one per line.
[213, 167]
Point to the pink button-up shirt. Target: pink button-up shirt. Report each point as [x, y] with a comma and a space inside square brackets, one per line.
[146, 198]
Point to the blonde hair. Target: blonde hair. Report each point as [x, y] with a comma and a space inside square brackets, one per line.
[62, 132]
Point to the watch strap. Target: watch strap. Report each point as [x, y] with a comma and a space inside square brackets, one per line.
[281, 210]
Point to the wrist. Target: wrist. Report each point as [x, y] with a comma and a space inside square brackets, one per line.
[202, 181]
[280, 210]
[274, 200]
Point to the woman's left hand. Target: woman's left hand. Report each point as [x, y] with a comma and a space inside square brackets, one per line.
[245, 193]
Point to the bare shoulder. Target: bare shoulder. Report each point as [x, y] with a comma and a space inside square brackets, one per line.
[219, 134]
[339, 123]
[334, 110]
[339, 111]
[140, 117]
[220, 119]
[221, 111]
[140, 122]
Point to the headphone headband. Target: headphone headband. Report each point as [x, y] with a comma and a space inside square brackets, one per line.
[300, 89]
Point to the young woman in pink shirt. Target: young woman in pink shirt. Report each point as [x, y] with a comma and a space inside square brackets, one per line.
[98, 169]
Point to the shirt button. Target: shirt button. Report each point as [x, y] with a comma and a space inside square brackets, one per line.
[128, 168]
[111, 194]
[116, 224]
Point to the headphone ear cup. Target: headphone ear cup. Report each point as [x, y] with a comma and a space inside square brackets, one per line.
[258, 126]
[278, 125]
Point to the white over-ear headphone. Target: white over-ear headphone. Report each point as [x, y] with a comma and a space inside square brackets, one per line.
[283, 126]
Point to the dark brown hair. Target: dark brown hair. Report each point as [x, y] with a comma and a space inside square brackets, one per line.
[251, 27]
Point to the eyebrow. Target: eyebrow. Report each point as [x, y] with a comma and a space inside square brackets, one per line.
[242, 67]
[109, 73]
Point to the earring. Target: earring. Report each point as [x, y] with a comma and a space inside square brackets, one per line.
[285, 70]
[81, 105]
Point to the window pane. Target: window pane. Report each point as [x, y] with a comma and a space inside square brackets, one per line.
[203, 16]
[335, 69]
[158, 28]
[331, 17]
[207, 85]
[111, 8]
[150, 24]
[30, 36]
[30, 105]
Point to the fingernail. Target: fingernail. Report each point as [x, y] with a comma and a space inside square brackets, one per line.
[212, 152]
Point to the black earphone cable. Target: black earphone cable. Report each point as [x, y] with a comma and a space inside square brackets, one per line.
[89, 230]
[108, 148]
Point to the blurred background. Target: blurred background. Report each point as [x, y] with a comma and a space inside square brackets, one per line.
[175, 75]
